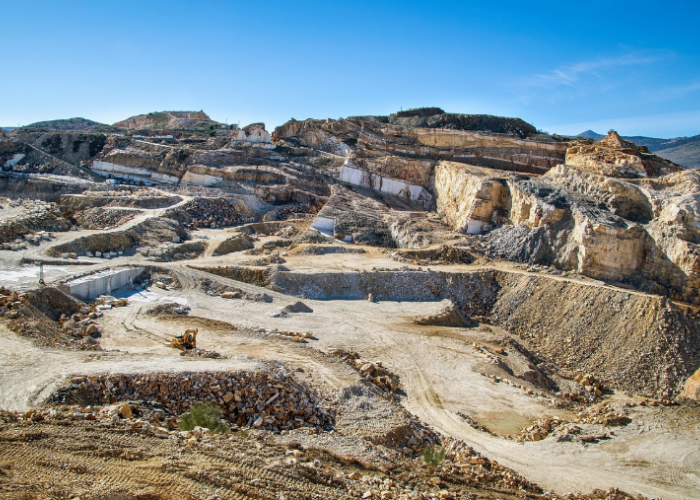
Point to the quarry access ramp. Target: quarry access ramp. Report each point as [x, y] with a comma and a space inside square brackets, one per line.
[189, 277]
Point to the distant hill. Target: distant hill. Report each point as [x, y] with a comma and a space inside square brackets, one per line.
[168, 120]
[684, 151]
[589, 134]
[65, 124]
[7, 129]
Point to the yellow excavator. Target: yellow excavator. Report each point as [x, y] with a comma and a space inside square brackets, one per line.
[186, 341]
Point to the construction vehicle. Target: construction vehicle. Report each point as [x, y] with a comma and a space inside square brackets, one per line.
[186, 341]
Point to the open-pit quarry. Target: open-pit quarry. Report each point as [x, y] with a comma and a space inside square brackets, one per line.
[425, 305]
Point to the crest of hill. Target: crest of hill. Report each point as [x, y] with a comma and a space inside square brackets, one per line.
[437, 118]
[684, 151]
[167, 120]
[65, 124]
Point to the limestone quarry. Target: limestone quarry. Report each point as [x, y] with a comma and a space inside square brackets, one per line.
[420, 305]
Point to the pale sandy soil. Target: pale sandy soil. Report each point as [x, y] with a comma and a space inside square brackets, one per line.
[657, 455]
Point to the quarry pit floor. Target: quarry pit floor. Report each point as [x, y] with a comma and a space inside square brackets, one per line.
[442, 369]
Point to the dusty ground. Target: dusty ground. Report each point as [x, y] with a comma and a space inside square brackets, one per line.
[657, 454]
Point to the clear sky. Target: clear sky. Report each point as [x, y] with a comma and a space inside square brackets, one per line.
[563, 66]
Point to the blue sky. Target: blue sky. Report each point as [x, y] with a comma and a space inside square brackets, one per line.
[562, 66]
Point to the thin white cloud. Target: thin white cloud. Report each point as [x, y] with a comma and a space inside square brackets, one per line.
[600, 69]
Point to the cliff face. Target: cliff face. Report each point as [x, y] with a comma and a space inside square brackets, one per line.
[577, 218]
[470, 198]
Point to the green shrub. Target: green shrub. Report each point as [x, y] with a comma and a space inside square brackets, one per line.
[433, 456]
[205, 415]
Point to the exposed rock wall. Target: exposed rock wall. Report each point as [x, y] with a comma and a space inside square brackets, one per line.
[406, 148]
[644, 232]
[468, 198]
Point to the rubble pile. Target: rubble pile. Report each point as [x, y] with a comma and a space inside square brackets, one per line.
[602, 414]
[291, 335]
[589, 384]
[463, 461]
[235, 243]
[448, 316]
[104, 219]
[539, 430]
[273, 258]
[202, 353]
[327, 249]
[9, 303]
[175, 251]
[28, 221]
[52, 318]
[299, 210]
[268, 399]
[211, 213]
[158, 277]
[216, 289]
[372, 371]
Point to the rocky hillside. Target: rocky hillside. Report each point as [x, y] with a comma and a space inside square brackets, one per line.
[613, 212]
[65, 124]
[684, 151]
[397, 154]
[167, 120]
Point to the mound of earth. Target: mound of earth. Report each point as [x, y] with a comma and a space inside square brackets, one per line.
[65, 124]
[167, 120]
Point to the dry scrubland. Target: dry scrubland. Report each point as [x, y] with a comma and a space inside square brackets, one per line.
[424, 305]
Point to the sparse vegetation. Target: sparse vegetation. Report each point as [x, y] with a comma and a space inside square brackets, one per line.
[433, 456]
[205, 415]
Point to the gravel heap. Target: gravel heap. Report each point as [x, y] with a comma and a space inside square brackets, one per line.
[211, 212]
[101, 218]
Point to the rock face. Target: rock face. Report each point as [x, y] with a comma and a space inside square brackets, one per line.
[398, 154]
[469, 197]
[616, 157]
[587, 217]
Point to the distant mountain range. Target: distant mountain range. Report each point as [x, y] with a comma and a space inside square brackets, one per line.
[682, 150]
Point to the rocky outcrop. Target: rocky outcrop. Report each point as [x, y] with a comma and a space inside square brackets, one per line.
[624, 199]
[616, 157]
[643, 232]
[402, 150]
[692, 387]
[167, 120]
[470, 198]
[437, 118]
[147, 164]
